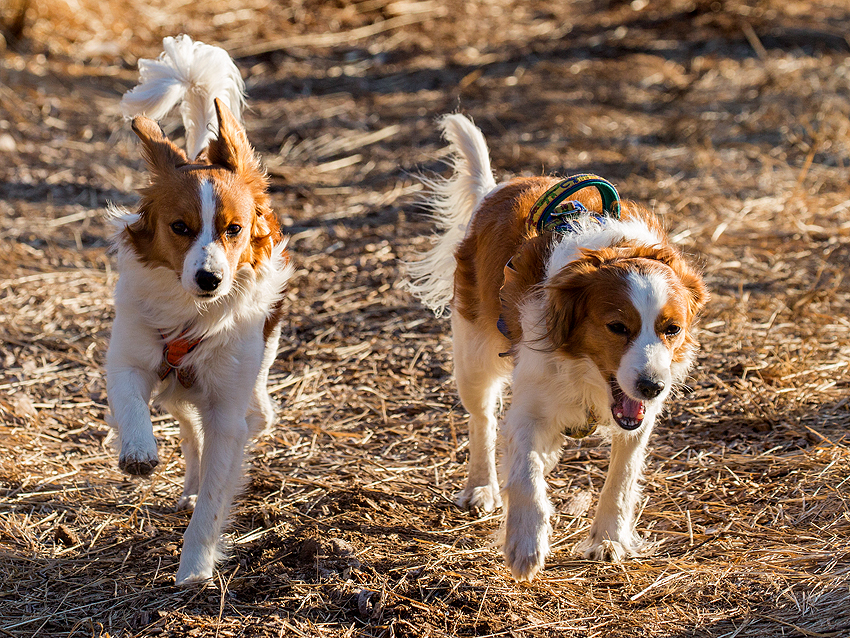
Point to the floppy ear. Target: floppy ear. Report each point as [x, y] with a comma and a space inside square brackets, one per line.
[160, 153]
[519, 276]
[567, 294]
[698, 293]
[231, 149]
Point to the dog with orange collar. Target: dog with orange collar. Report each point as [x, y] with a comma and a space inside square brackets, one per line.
[198, 304]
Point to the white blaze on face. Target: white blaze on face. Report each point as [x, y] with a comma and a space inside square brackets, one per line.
[647, 356]
[206, 255]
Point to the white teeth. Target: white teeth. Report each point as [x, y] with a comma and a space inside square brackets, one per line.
[619, 415]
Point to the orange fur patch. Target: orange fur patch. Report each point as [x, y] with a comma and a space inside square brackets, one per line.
[593, 292]
[584, 296]
[240, 187]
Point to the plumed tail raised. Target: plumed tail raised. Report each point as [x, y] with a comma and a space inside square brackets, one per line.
[191, 74]
[451, 203]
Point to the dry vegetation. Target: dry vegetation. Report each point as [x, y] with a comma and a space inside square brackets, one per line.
[731, 116]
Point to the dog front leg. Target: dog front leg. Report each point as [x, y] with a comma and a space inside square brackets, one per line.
[225, 436]
[532, 448]
[129, 392]
[612, 535]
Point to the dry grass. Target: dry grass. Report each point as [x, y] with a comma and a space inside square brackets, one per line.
[731, 117]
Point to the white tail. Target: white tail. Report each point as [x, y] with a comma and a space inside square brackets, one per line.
[192, 74]
[452, 202]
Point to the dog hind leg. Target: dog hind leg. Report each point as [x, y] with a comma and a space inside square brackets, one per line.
[191, 442]
[225, 436]
[261, 412]
[480, 376]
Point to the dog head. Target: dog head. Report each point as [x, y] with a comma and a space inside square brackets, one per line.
[628, 309]
[205, 220]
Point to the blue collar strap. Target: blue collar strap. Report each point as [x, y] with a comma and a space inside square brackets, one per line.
[551, 213]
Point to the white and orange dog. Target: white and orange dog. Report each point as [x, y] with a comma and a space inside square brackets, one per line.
[581, 298]
[198, 302]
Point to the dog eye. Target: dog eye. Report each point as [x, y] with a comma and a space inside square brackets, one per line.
[672, 330]
[618, 328]
[180, 228]
[233, 230]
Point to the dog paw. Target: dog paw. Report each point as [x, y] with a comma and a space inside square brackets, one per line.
[192, 577]
[607, 550]
[194, 569]
[524, 556]
[186, 502]
[138, 462]
[480, 499]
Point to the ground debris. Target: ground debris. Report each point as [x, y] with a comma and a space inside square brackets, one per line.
[730, 119]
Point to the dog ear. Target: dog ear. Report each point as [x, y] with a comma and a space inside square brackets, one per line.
[231, 149]
[141, 233]
[265, 232]
[160, 153]
[698, 292]
[567, 296]
[519, 276]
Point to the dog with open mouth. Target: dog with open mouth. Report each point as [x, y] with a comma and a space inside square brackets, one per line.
[581, 301]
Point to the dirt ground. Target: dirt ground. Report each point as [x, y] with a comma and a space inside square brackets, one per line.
[730, 117]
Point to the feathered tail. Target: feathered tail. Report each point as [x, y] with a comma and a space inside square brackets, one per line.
[192, 74]
[452, 202]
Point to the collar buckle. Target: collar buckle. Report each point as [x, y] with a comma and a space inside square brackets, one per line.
[173, 353]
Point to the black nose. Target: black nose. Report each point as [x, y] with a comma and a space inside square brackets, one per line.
[649, 388]
[207, 281]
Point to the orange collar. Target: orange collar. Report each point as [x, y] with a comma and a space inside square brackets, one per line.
[173, 353]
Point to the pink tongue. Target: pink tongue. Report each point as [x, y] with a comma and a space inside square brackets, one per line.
[632, 409]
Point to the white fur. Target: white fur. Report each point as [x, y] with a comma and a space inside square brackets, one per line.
[190, 74]
[551, 393]
[648, 355]
[228, 401]
[452, 203]
[592, 235]
[206, 253]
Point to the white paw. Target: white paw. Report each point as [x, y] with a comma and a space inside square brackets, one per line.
[138, 459]
[189, 577]
[194, 570]
[186, 502]
[525, 555]
[608, 550]
[526, 540]
[480, 499]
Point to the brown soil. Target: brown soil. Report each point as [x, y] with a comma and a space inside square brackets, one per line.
[731, 117]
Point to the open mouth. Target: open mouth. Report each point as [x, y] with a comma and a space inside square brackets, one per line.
[627, 412]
